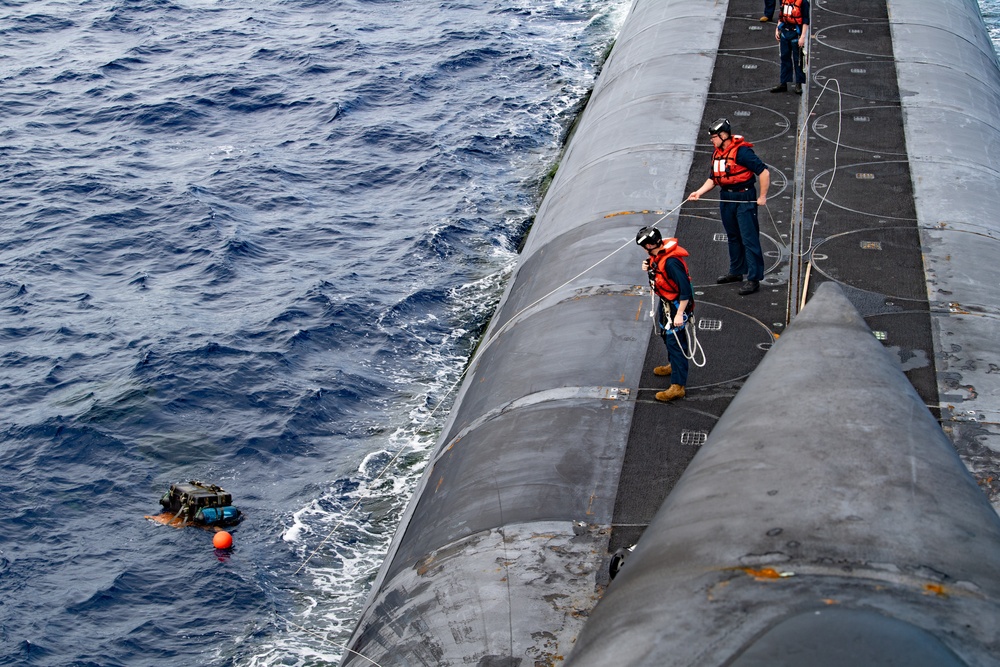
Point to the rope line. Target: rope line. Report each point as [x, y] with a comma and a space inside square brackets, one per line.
[836, 149]
[534, 303]
[327, 640]
[461, 377]
[690, 333]
[694, 345]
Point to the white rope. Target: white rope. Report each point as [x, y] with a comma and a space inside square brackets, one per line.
[327, 641]
[694, 345]
[534, 303]
[836, 150]
[461, 377]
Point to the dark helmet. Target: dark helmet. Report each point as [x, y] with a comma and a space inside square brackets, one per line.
[720, 125]
[648, 235]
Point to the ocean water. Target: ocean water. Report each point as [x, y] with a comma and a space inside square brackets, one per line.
[250, 243]
[991, 14]
[253, 244]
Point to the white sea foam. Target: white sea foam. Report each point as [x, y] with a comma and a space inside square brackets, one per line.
[346, 531]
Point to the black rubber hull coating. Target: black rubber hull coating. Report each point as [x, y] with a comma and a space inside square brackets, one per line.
[828, 521]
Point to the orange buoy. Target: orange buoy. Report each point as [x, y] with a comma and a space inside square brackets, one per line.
[222, 540]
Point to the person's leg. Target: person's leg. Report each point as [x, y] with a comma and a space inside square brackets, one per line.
[769, 9]
[749, 230]
[737, 253]
[785, 52]
[678, 362]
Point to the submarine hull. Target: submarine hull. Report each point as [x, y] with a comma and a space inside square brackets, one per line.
[827, 521]
[556, 454]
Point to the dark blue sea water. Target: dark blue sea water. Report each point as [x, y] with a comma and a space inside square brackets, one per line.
[251, 243]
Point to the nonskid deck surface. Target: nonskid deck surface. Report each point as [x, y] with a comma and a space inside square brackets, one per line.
[840, 208]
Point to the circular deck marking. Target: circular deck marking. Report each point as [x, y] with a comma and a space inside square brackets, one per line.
[874, 11]
[870, 80]
[862, 39]
[877, 251]
[871, 129]
[718, 328]
[734, 77]
[875, 189]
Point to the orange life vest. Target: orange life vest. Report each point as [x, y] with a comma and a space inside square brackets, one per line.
[725, 171]
[791, 12]
[662, 284]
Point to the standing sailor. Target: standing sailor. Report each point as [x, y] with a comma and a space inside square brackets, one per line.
[792, 32]
[669, 278]
[734, 169]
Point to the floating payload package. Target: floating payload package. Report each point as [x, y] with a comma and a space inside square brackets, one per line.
[199, 504]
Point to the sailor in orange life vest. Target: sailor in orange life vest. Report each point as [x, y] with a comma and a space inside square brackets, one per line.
[734, 169]
[791, 33]
[668, 276]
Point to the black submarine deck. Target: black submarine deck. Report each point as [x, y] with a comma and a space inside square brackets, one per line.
[840, 208]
